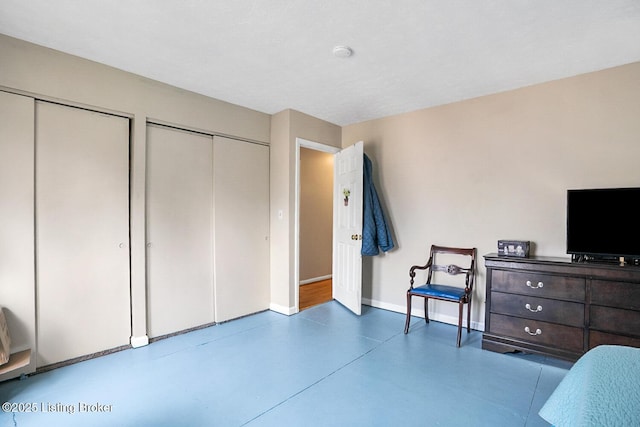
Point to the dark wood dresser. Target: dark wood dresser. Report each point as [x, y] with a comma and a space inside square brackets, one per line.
[557, 307]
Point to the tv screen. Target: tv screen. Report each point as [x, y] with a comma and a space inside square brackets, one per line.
[604, 222]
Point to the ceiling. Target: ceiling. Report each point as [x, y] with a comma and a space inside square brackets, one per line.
[270, 55]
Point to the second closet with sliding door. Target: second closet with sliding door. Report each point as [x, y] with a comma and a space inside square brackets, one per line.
[207, 229]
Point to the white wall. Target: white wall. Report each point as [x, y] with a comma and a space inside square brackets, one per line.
[496, 167]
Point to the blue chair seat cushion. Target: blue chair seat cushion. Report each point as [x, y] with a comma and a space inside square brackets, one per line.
[439, 291]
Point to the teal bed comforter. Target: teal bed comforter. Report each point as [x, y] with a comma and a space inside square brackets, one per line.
[601, 389]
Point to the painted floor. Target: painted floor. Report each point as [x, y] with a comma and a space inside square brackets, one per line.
[321, 367]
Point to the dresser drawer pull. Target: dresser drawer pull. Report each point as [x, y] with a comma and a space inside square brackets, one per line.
[537, 332]
[539, 285]
[528, 307]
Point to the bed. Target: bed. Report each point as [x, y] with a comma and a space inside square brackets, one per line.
[601, 389]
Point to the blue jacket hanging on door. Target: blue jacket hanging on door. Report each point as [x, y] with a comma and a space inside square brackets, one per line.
[375, 233]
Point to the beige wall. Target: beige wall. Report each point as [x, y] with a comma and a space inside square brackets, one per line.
[51, 75]
[316, 213]
[496, 167]
[286, 126]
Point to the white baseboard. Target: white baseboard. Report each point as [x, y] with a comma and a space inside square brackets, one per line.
[288, 311]
[438, 317]
[139, 341]
[315, 279]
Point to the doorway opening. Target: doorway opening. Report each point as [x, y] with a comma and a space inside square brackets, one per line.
[313, 223]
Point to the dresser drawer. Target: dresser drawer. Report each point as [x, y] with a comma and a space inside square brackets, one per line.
[616, 320]
[546, 310]
[540, 285]
[542, 333]
[597, 338]
[615, 294]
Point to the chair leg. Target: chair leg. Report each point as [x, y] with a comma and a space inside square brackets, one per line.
[426, 310]
[460, 306]
[469, 316]
[406, 323]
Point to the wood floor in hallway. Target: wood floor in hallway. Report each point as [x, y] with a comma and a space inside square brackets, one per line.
[315, 293]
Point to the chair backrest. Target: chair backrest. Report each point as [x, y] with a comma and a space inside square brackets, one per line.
[453, 269]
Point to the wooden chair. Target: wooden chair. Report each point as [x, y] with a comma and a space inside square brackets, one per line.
[444, 292]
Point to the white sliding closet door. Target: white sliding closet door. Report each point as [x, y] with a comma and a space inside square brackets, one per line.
[241, 228]
[82, 232]
[179, 230]
[17, 281]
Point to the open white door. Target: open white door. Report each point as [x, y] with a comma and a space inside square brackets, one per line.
[347, 227]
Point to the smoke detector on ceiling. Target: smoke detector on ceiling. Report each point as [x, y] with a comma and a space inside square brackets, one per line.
[342, 51]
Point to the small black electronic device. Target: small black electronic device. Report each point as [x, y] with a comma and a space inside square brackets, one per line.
[517, 248]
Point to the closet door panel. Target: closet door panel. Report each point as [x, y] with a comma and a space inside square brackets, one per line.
[241, 228]
[17, 276]
[82, 232]
[179, 230]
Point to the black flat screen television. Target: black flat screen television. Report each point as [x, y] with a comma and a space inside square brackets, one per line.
[603, 223]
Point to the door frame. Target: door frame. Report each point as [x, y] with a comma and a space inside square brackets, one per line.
[302, 143]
